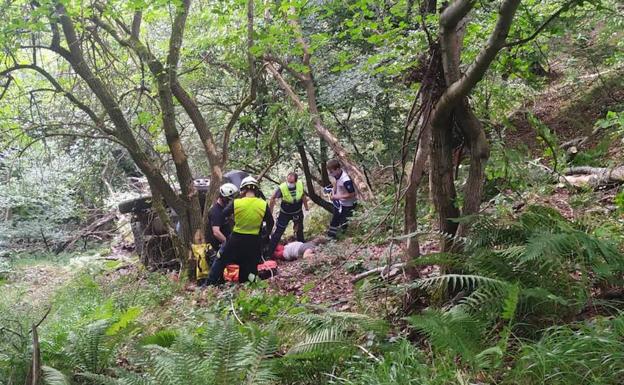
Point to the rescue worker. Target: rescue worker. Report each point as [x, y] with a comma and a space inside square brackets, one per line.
[291, 209]
[343, 196]
[244, 246]
[220, 225]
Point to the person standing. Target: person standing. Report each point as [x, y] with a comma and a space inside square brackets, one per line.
[291, 209]
[244, 245]
[343, 196]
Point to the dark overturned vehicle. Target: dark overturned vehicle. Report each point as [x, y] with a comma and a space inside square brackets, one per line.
[152, 242]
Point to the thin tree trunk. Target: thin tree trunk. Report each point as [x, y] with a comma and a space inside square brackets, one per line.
[309, 181]
[354, 171]
[432, 85]
[442, 182]
[164, 78]
[322, 165]
[182, 251]
[411, 197]
[472, 130]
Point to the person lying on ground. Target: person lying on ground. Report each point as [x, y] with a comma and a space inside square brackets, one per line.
[295, 249]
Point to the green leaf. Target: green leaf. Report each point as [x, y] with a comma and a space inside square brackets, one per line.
[125, 319]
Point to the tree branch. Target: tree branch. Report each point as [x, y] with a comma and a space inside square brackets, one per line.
[252, 88]
[292, 20]
[285, 65]
[566, 6]
[96, 119]
[124, 133]
[285, 86]
[6, 86]
[455, 12]
[177, 34]
[462, 87]
[136, 24]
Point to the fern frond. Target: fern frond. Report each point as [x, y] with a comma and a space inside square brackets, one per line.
[548, 248]
[223, 361]
[91, 350]
[319, 341]
[101, 379]
[445, 259]
[124, 377]
[482, 300]
[164, 338]
[455, 331]
[544, 218]
[459, 281]
[309, 322]
[254, 361]
[53, 376]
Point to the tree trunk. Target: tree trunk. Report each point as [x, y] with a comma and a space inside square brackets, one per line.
[442, 182]
[411, 197]
[432, 85]
[182, 251]
[474, 135]
[309, 181]
[322, 166]
[165, 77]
[354, 171]
[452, 108]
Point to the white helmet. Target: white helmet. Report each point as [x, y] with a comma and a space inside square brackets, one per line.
[227, 190]
[248, 181]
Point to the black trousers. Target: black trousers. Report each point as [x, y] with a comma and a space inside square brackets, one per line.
[282, 223]
[340, 220]
[241, 249]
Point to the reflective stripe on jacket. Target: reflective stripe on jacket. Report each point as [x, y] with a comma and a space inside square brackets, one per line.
[287, 196]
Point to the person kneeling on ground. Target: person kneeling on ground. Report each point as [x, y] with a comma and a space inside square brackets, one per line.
[291, 209]
[220, 225]
[244, 245]
[343, 197]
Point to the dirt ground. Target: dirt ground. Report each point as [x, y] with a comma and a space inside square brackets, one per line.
[568, 109]
[327, 278]
[35, 285]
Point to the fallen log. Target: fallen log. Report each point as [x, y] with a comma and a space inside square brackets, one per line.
[388, 270]
[585, 176]
[576, 142]
[90, 229]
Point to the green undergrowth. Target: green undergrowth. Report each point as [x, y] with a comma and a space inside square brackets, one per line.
[522, 304]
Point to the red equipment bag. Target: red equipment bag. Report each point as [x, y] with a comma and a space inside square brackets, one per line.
[230, 273]
[266, 270]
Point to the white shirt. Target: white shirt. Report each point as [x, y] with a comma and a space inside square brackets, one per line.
[341, 190]
[291, 250]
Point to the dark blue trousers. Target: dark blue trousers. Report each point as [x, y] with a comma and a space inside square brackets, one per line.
[282, 223]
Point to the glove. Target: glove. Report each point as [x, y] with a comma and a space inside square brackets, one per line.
[328, 189]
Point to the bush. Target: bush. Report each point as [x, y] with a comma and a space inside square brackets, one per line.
[586, 353]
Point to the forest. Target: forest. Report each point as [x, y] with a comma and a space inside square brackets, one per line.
[311, 192]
